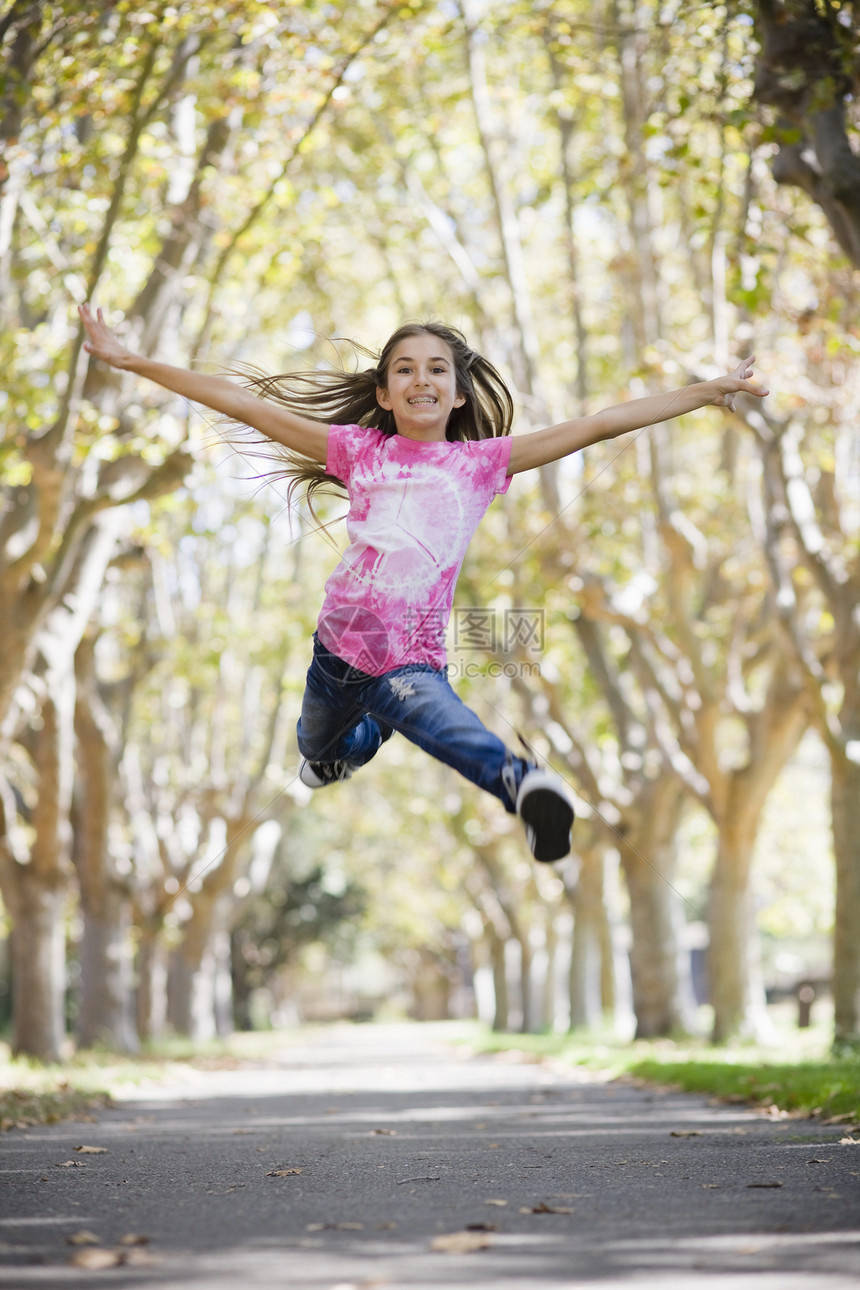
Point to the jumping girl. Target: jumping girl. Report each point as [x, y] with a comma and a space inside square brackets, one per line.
[421, 444]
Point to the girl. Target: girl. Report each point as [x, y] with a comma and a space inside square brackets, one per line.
[421, 444]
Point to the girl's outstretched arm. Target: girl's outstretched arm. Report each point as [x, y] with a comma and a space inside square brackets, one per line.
[544, 446]
[301, 434]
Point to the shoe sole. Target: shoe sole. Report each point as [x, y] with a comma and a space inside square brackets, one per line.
[318, 782]
[549, 819]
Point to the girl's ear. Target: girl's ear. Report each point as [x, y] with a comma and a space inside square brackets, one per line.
[382, 398]
[459, 400]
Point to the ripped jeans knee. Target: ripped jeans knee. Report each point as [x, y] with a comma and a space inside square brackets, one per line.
[348, 715]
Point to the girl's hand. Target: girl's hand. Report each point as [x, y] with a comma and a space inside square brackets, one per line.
[101, 342]
[737, 382]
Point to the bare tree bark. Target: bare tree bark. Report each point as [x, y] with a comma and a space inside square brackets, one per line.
[196, 964]
[796, 522]
[37, 891]
[845, 813]
[517, 933]
[150, 997]
[105, 1011]
[662, 988]
[591, 974]
[808, 72]
[496, 932]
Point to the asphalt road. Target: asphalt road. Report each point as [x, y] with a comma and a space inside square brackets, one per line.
[380, 1157]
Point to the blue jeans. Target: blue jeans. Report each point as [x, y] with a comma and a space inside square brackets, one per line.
[347, 715]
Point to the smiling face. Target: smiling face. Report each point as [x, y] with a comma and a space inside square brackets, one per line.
[421, 387]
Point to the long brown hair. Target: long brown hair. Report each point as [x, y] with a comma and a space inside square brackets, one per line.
[349, 398]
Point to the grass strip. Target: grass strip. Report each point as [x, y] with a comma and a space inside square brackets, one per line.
[806, 1080]
[33, 1092]
[825, 1089]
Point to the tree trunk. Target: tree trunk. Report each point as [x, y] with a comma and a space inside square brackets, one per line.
[191, 995]
[40, 889]
[527, 1009]
[662, 989]
[592, 970]
[196, 1002]
[105, 1014]
[549, 992]
[845, 803]
[498, 963]
[38, 959]
[735, 986]
[151, 996]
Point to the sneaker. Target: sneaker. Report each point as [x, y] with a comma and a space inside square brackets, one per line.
[316, 774]
[546, 810]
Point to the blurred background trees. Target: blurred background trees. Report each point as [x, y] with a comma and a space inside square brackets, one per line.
[608, 200]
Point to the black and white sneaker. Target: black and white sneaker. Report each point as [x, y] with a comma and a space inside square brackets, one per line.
[545, 808]
[316, 774]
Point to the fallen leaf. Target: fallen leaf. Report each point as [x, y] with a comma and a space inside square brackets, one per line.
[133, 1238]
[387, 1133]
[460, 1242]
[482, 1227]
[711, 1186]
[140, 1258]
[686, 1133]
[95, 1260]
[848, 1140]
[70, 1164]
[767, 1184]
[500, 1203]
[83, 1238]
[282, 1173]
[817, 1160]
[92, 1151]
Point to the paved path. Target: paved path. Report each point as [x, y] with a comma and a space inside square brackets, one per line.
[340, 1165]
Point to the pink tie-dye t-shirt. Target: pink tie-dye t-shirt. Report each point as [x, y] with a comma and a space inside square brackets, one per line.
[413, 509]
